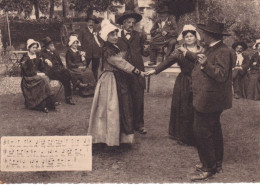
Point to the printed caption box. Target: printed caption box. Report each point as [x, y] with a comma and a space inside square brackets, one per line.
[46, 153]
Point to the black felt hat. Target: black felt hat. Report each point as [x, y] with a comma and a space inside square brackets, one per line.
[129, 14]
[214, 27]
[46, 41]
[241, 43]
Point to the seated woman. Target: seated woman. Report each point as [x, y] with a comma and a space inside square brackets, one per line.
[253, 89]
[82, 77]
[36, 89]
[111, 117]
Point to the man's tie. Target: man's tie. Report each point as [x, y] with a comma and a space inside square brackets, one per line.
[128, 35]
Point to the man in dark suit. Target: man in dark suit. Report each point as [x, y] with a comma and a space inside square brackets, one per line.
[91, 43]
[132, 42]
[240, 69]
[55, 69]
[212, 93]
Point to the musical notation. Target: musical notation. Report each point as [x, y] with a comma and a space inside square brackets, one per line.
[46, 153]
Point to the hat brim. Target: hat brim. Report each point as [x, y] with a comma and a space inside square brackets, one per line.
[244, 45]
[164, 11]
[136, 16]
[47, 44]
[254, 46]
[37, 43]
[95, 20]
[204, 28]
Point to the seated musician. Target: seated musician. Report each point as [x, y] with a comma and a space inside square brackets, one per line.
[35, 87]
[82, 77]
[164, 34]
[55, 69]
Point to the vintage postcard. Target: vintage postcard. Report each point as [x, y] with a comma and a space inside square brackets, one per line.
[129, 91]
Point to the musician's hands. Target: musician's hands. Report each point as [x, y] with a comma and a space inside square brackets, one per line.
[41, 74]
[82, 53]
[238, 67]
[48, 62]
[159, 29]
[164, 33]
[151, 72]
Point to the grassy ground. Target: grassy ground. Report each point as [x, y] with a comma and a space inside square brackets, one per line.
[154, 157]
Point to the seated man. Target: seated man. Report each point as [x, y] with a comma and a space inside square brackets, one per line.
[55, 69]
[239, 69]
[164, 33]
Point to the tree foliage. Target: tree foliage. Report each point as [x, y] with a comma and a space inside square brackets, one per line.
[240, 17]
[176, 7]
[90, 5]
[26, 6]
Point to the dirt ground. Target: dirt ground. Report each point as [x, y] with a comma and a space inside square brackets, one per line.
[154, 158]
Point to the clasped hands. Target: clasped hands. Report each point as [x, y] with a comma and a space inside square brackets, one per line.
[201, 58]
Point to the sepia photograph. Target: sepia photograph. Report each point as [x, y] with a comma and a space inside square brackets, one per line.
[129, 91]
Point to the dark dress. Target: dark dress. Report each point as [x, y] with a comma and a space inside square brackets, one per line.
[253, 89]
[181, 118]
[80, 73]
[111, 117]
[36, 89]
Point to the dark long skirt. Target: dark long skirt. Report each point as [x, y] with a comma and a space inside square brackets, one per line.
[181, 120]
[253, 89]
[37, 93]
[85, 76]
[125, 103]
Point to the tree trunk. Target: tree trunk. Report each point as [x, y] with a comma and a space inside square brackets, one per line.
[89, 11]
[65, 8]
[36, 7]
[197, 11]
[51, 9]
[129, 4]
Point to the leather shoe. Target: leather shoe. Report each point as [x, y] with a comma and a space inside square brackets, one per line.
[45, 110]
[236, 96]
[219, 167]
[201, 176]
[142, 130]
[70, 102]
[152, 64]
[199, 167]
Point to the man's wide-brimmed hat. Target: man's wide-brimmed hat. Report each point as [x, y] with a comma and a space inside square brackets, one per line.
[256, 42]
[92, 17]
[129, 14]
[214, 27]
[240, 43]
[46, 41]
[163, 9]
